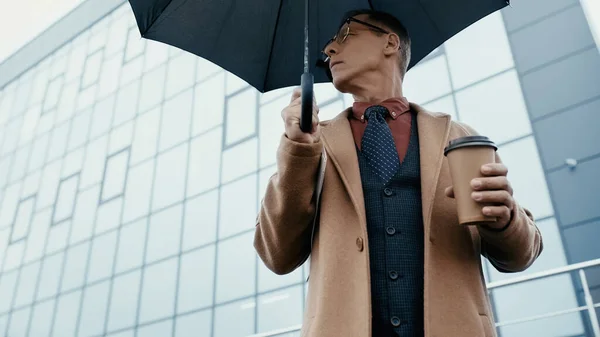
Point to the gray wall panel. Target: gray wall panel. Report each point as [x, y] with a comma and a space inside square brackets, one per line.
[563, 84]
[523, 12]
[570, 134]
[546, 40]
[576, 193]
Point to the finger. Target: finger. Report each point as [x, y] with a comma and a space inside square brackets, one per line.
[491, 183]
[449, 192]
[493, 197]
[501, 212]
[494, 169]
[296, 94]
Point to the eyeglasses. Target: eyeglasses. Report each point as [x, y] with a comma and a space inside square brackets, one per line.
[344, 31]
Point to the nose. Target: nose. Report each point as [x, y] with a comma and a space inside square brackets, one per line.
[331, 49]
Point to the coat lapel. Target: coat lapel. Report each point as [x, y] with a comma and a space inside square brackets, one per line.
[433, 137]
[339, 142]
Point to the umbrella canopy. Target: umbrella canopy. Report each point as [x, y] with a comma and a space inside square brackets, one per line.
[262, 41]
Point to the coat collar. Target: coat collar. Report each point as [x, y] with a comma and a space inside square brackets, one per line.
[433, 131]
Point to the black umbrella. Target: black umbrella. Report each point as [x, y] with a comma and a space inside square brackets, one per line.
[260, 40]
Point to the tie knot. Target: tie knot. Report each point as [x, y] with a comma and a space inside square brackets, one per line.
[376, 110]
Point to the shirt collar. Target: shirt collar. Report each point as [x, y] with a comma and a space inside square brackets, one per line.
[396, 106]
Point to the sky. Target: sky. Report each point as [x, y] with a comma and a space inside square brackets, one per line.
[23, 20]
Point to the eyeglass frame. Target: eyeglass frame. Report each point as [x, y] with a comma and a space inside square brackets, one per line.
[347, 23]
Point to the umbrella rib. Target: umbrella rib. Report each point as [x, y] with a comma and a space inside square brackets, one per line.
[272, 46]
[156, 18]
[430, 19]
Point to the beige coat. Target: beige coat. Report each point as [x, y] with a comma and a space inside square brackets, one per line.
[456, 302]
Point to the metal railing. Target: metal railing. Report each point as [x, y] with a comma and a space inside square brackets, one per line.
[589, 306]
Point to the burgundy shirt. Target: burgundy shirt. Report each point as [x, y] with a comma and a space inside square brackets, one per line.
[399, 120]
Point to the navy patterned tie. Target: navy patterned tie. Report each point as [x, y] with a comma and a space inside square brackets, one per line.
[378, 144]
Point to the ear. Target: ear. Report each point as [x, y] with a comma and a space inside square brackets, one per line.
[392, 45]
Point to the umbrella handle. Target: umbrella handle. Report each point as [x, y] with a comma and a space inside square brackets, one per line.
[307, 81]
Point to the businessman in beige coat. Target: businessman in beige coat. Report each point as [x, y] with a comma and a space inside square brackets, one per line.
[368, 59]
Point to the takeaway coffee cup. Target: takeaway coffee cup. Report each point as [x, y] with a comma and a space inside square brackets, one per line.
[465, 156]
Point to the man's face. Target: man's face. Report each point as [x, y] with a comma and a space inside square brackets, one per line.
[360, 52]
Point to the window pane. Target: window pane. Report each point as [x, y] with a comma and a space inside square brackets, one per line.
[161, 329]
[92, 69]
[271, 129]
[73, 162]
[128, 333]
[239, 160]
[14, 255]
[50, 276]
[194, 325]
[42, 316]
[138, 191]
[235, 257]
[242, 313]
[196, 279]
[206, 69]
[23, 219]
[241, 116]
[19, 164]
[102, 257]
[443, 105]
[145, 136]
[27, 281]
[280, 309]
[164, 234]
[157, 53]
[153, 84]
[121, 137]
[65, 200]
[169, 182]
[94, 162]
[37, 235]
[209, 104]
[57, 237]
[58, 141]
[53, 94]
[84, 215]
[67, 311]
[79, 130]
[181, 73]
[74, 269]
[234, 83]
[268, 280]
[135, 44]
[102, 118]
[108, 216]
[38, 153]
[427, 81]
[200, 220]
[527, 177]
[131, 71]
[7, 287]
[205, 162]
[18, 322]
[330, 110]
[131, 245]
[124, 300]
[238, 206]
[175, 124]
[127, 103]
[495, 108]
[479, 51]
[93, 310]
[9, 205]
[115, 174]
[109, 78]
[158, 292]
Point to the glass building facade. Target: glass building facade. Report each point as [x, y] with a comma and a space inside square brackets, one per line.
[131, 173]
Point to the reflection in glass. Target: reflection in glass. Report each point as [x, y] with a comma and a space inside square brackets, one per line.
[280, 309]
[235, 319]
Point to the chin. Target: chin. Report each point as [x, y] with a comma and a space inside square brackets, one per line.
[341, 83]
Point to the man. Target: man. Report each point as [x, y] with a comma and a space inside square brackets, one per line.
[389, 257]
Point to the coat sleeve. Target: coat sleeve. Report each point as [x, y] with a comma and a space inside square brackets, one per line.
[515, 247]
[284, 222]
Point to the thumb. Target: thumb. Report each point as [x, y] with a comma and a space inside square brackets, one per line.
[449, 192]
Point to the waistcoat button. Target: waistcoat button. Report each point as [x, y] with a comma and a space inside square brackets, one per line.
[388, 191]
[359, 244]
[395, 321]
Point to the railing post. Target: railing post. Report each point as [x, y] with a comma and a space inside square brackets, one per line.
[590, 304]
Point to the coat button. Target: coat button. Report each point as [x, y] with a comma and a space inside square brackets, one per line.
[390, 230]
[395, 321]
[388, 191]
[393, 274]
[359, 244]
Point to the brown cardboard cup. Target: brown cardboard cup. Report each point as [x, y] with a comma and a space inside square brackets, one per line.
[465, 156]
